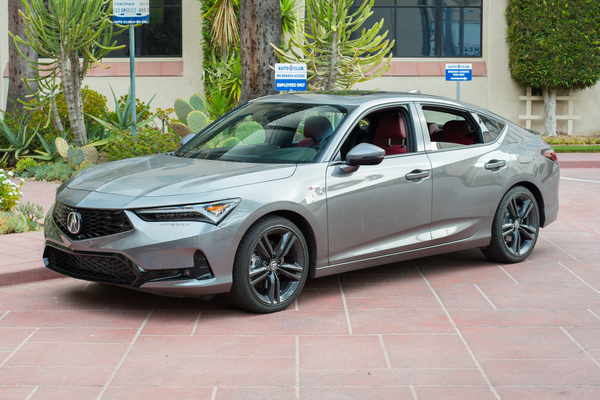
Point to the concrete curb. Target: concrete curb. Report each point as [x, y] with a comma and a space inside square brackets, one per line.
[17, 276]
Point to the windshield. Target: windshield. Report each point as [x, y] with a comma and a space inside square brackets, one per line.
[268, 133]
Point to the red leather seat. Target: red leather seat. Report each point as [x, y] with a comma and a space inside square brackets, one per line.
[434, 131]
[315, 129]
[457, 132]
[391, 134]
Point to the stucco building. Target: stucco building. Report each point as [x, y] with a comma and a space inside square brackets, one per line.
[428, 34]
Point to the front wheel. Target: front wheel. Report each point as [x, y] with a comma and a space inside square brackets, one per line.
[515, 228]
[270, 267]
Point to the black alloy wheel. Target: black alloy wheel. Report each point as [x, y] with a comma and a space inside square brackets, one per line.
[270, 267]
[515, 228]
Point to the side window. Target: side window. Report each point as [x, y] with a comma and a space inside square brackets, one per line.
[391, 129]
[491, 128]
[450, 128]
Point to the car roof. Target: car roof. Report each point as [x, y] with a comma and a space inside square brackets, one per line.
[361, 97]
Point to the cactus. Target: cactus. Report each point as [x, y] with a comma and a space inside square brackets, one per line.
[198, 103]
[78, 157]
[197, 121]
[180, 129]
[182, 109]
[75, 155]
[247, 128]
[91, 154]
[230, 142]
[192, 115]
[62, 146]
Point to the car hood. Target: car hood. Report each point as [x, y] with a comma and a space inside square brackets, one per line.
[165, 175]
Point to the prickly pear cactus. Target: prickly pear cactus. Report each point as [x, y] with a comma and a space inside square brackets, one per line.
[247, 128]
[62, 146]
[182, 109]
[91, 154]
[197, 121]
[198, 102]
[230, 142]
[75, 155]
[180, 129]
[84, 164]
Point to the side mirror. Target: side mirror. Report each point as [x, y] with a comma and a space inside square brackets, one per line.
[186, 139]
[363, 154]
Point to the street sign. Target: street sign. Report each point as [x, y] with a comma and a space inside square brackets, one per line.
[127, 12]
[459, 72]
[290, 77]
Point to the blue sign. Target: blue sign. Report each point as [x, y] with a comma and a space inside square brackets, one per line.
[290, 77]
[127, 12]
[459, 72]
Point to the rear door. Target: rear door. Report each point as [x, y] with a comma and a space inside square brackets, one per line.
[469, 169]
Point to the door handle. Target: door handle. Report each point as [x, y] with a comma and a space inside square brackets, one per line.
[495, 164]
[416, 174]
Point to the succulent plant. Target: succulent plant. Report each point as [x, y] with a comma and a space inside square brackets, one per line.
[245, 129]
[78, 157]
[191, 114]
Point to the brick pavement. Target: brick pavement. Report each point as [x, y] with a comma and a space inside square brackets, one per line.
[447, 327]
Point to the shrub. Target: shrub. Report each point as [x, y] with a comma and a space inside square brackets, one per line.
[94, 104]
[10, 192]
[60, 171]
[25, 163]
[24, 219]
[147, 141]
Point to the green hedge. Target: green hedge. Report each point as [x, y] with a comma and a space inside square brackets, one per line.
[554, 44]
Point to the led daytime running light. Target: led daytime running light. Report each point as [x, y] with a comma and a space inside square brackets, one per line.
[213, 212]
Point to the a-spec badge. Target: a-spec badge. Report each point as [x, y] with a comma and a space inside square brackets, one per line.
[74, 222]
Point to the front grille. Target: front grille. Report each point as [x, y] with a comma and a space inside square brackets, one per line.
[96, 268]
[94, 223]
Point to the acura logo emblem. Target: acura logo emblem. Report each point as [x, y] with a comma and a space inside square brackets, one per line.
[74, 222]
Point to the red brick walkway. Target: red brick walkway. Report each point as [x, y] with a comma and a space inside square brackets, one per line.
[447, 327]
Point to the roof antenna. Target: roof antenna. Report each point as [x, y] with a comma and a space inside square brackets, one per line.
[414, 91]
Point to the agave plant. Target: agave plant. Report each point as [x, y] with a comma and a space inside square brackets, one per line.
[122, 113]
[19, 141]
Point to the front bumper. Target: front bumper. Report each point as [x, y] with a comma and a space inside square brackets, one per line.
[181, 259]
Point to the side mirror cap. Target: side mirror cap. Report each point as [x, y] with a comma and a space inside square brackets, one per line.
[363, 154]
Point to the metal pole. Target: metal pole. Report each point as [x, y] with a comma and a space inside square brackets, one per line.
[132, 78]
[458, 90]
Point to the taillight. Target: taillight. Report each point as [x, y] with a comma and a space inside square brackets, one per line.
[551, 154]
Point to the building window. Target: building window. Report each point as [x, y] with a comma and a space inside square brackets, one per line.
[160, 38]
[430, 28]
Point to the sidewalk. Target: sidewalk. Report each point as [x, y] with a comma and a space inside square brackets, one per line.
[452, 327]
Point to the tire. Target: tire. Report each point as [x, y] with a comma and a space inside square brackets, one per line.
[270, 266]
[515, 228]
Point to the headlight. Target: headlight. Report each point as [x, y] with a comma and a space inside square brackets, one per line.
[212, 213]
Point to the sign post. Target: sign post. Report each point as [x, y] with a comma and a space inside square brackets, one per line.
[458, 73]
[290, 77]
[131, 12]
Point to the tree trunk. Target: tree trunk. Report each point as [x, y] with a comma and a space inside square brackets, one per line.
[260, 25]
[550, 112]
[18, 67]
[70, 77]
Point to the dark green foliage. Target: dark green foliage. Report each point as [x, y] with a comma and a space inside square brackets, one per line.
[147, 141]
[554, 44]
[54, 171]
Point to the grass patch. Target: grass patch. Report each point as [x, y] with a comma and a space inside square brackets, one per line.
[576, 149]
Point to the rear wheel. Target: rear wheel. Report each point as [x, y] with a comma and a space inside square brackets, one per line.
[515, 228]
[270, 267]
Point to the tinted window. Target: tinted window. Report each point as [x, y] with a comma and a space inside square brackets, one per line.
[429, 28]
[450, 128]
[268, 133]
[160, 38]
[493, 128]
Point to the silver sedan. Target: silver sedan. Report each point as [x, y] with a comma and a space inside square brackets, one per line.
[297, 186]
